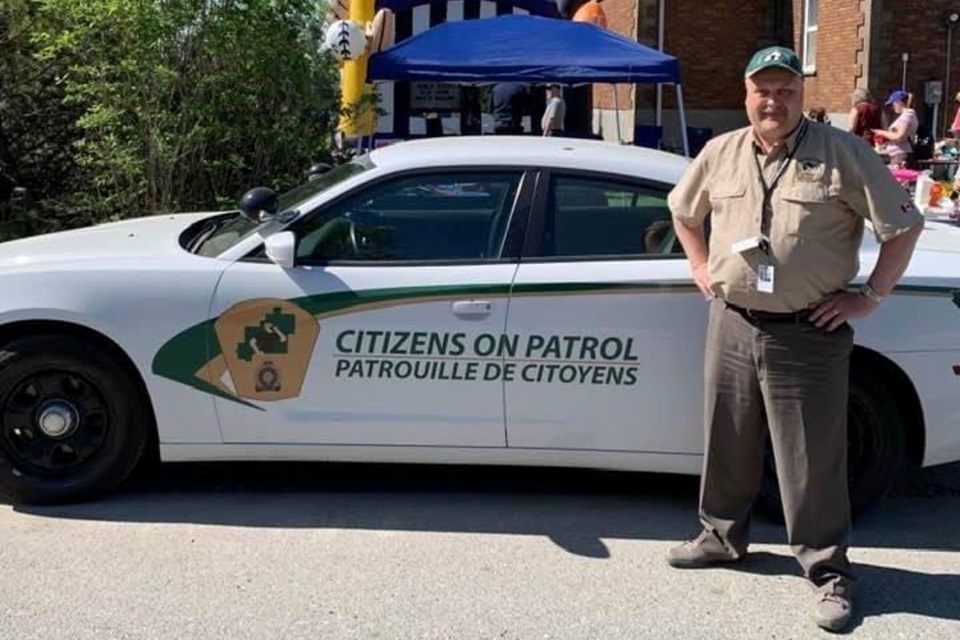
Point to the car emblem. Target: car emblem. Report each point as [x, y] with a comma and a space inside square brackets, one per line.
[266, 346]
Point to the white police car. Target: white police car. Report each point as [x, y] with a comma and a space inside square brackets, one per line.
[495, 300]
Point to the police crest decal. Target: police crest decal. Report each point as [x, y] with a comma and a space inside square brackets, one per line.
[267, 345]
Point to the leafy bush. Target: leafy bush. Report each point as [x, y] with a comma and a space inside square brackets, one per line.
[122, 108]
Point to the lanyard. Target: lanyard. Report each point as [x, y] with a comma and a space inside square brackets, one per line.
[767, 207]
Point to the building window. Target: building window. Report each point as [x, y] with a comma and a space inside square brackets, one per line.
[811, 20]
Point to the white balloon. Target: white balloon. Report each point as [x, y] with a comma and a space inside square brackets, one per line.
[345, 39]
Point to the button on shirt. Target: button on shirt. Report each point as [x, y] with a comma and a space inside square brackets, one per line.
[830, 184]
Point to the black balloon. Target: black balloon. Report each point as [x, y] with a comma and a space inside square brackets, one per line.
[566, 8]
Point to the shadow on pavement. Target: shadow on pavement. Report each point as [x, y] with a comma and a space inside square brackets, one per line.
[576, 509]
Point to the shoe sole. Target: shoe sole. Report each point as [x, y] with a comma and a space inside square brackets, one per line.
[681, 563]
[834, 627]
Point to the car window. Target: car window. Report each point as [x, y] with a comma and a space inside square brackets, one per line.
[606, 217]
[324, 181]
[435, 216]
[223, 232]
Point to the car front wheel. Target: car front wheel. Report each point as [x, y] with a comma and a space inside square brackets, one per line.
[875, 445]
[72, 423]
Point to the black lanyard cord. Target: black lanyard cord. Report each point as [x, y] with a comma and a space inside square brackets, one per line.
[767, 207]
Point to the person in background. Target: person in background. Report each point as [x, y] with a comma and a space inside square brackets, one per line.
[865, 115]
[819, 114]
[508, 105]
[555, 112]
[902, 131]
[955, 126]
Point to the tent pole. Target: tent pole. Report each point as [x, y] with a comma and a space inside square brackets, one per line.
[616, 109]
[661, 22]
[683, 121]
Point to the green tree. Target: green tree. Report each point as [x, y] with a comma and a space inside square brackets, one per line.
[37, 130]
[183, 104]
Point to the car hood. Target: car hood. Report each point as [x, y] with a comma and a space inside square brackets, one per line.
[139, 237]
[940, 236]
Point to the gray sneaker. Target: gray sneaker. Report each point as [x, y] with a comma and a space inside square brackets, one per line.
[833, 612]
[707, 550]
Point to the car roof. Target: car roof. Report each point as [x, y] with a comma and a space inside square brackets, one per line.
[553, 152]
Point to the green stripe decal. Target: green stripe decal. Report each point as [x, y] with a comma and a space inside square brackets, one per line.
[184, 355]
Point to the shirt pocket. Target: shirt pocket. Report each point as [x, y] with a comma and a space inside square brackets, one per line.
[727, 196]
[806, 207]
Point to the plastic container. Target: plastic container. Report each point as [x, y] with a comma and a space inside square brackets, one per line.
[921, 195]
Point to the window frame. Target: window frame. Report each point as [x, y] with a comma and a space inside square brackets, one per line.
[510, 245]
[538, 216]
[810, 66]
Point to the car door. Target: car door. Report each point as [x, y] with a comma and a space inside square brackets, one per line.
[610, 326]
[380, 333]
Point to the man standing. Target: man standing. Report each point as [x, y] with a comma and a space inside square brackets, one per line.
[787, 199]
[555, 112]
[508, 104]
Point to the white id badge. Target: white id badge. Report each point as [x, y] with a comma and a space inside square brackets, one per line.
[765, 278]
[746, 245]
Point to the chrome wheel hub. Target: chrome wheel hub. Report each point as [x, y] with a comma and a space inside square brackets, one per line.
[58, 419]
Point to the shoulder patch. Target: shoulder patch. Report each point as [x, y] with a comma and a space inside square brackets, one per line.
[908, 207]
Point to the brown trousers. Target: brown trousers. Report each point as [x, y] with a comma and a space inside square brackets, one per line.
[789, 380]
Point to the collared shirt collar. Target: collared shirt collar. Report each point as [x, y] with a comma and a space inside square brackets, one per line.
[788, 143]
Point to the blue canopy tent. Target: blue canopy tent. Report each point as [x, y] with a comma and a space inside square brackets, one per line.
[518, 48]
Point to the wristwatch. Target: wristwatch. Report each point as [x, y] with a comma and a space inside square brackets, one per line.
[871, 293]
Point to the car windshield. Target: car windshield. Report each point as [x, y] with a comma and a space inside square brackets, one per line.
[222, 232]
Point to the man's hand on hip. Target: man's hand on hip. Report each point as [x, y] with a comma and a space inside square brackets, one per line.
[837, 308]
[703, 280]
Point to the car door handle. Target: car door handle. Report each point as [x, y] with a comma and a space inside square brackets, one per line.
[472, 308]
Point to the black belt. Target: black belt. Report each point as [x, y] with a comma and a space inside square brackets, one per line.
[755, 315]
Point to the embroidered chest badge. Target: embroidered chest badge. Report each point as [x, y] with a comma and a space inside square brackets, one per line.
[809, 170]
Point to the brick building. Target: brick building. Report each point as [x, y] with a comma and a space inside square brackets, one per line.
[844, 44]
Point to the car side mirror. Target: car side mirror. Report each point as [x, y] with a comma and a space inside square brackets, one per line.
[259, 204]
[281, 248]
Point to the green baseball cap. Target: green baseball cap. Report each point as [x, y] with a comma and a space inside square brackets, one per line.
[774, 58]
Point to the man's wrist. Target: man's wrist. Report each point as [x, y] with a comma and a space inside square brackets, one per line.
[871, 294]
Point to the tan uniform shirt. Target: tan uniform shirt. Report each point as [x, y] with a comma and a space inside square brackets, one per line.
[831, 183]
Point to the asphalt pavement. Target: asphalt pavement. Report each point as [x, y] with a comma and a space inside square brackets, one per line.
[261, 551]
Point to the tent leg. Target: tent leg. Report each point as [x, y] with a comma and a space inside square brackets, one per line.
[616, 113]
[661, 32]
[659, 109]
[683, 121]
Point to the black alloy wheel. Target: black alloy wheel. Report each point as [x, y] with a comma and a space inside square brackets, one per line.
[72, 423]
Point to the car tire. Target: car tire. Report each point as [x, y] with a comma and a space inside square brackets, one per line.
[876, 446]
[73, 423]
